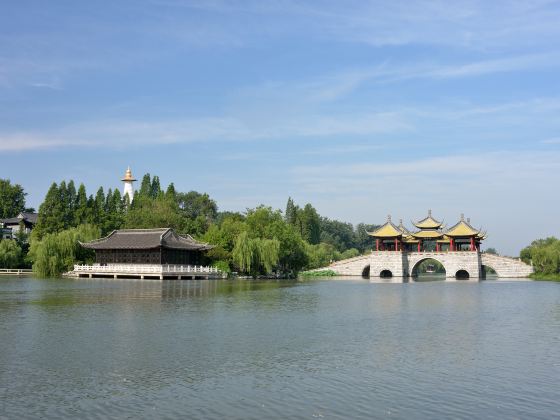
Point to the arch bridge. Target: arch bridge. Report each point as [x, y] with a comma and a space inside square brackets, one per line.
[460, 264]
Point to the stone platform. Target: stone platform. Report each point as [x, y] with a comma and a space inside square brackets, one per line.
[145, 271]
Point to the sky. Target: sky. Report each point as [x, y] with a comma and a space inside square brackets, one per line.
[362, 108]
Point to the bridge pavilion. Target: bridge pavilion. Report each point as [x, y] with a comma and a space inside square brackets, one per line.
[430, 235]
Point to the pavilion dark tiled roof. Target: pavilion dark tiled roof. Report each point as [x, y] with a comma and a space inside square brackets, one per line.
[27, 217]
[147, 239]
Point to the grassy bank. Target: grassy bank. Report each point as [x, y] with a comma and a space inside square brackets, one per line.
[321, 273]
[545, 277]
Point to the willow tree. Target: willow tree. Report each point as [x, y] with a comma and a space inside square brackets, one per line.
[56, 253]
[255, 255]
[10, 254]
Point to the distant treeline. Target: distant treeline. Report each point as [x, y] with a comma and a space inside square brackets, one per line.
[258, 241]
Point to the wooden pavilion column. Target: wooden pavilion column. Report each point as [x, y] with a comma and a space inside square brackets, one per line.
[437, 246]
[396, 245]
[377, 244]
[451, 244]
[472, 243]
[419, 241]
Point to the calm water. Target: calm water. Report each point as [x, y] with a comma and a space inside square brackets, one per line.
[318, 349]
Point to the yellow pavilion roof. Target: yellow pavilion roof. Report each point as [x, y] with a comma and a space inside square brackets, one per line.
[388, 230]
[462, 228]
[410, 240]
[428, 222]
[443, 240]
[428, 234]
[403, 229]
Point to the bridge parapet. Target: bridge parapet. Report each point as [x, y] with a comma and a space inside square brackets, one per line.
[506, 267]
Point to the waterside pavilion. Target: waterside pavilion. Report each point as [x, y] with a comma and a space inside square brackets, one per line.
[147, 254]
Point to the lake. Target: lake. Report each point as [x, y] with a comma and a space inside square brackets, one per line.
[279, 349]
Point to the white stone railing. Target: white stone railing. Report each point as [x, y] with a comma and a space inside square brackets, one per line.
[144, 268]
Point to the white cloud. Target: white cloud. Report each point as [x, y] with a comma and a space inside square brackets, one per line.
[117, 134]
[553, 140]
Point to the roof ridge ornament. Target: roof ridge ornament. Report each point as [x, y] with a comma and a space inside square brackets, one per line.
[430, 213]
[389, 218]
[462, 217]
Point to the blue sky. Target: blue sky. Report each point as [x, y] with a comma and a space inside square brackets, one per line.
[362, 108]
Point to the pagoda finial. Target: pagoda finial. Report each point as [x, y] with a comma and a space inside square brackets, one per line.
[388, 217]
[430, 213]
[462, 217]
[468, 220]
[400, 222]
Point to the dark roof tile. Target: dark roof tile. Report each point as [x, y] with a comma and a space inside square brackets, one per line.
[146, 239]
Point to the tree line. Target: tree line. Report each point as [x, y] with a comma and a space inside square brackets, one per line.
[256, 242]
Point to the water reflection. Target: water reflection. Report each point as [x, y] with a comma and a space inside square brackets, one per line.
[278, 349]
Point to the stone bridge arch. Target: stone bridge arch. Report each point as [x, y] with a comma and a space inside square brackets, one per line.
[415, 262]
[453, 262]
[365, 272]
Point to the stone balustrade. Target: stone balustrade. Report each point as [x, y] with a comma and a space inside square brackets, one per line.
[145, 268]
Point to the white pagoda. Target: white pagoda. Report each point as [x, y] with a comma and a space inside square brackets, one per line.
[128, 188]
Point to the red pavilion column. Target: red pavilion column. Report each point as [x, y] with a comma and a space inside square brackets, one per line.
[472, 243]
[377, 244]
[396, 245]
[437, 247]
[419, 246]
[451, 244]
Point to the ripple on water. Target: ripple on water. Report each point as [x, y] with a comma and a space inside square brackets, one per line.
[215, 349]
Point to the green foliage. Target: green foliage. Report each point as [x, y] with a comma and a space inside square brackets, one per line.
[263, 222]
[544, 254]
[155, 189]
[56, 253]
[491, 251]
[255, 255]
[320, 273]
[11, 255]
[145, 187]
[362, 241]
[547, 277]
[222, 265]
[12, 199]
[310, 224]
[153, 213]
[350, 253]
[320, 255]
[336, 233]
[291, 212]
[170, 193]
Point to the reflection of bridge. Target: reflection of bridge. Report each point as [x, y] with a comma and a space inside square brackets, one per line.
[458, 264]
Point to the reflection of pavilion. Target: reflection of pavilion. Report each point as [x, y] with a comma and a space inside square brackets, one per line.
[430, 236]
